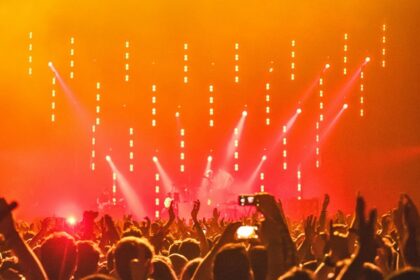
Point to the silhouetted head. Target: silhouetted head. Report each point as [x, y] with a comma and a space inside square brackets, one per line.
[296, 273]
[128, 249]
[189, 248]
[58, 255]
[87, 258]
[232, 262]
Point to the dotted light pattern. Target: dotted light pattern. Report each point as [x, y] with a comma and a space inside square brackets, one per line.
[345, 57]
[154, 103]
[383, 44]
[362, 95]
[284, 143]
[317, 145]
[267, 104]
[211, 106]
[262, 188]
[114, 188]
[182, 150]
[185, 66]
[93, 150]
[157, 195]
[71, 57]
[53, 98]
[299, 183]
[293, 63]
[30, 50]
[236, 63]
[236, 152]
[131, 149]
[98, 104]
[127, 61]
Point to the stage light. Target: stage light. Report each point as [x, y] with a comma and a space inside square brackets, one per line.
[50, 64]
[155, 159]
[108, 158]
[244, 113]
[327, 66]
[345, 106]
[264, 158]
[209, 158]
[71, 220]
[367, 59]
[299, 111]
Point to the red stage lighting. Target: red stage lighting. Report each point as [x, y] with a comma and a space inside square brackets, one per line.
[71, 220]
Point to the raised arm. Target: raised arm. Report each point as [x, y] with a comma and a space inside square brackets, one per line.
[32, 268]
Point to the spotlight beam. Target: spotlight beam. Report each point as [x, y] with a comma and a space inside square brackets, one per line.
[127, 190]
[166, 180]
[236, 136]
[251, 180]
[70, 95]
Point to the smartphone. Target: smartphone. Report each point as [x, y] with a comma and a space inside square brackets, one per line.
[246, 199]
[246, 233]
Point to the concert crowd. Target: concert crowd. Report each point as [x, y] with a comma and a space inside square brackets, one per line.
[264, 245]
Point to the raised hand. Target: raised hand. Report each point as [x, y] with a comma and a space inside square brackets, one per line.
[338, 244]
[366, 231]
[310, 228]
[195, 210]
[7, 225]
[171, 212]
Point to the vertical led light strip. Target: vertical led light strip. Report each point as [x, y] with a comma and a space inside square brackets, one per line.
[236, 153]
[267, 104]
[157, 194]
[236, 63]
[72, 58]
[262, 188]
[299, 183]
[53, 99]
[98, 104]
[362, 95]
[30, 57]
[383, 44]
[317, 152]
[185, 63]
[284, 143]
[293, 63]
[154, 103]
[114, 188]
[345, 57]
[182, 150]
[131, 149]
[96, 124]
[93, 150]
[211, 105]
[127, 61]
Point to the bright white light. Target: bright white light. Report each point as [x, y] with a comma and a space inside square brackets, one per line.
[345, 106]
[71, 220]
[367, 59]
[108, 158]
[327, 66]
[155, 159]
[209, 158]
[299, 111]
[264, 157]
[244, 113]
[50, 64]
